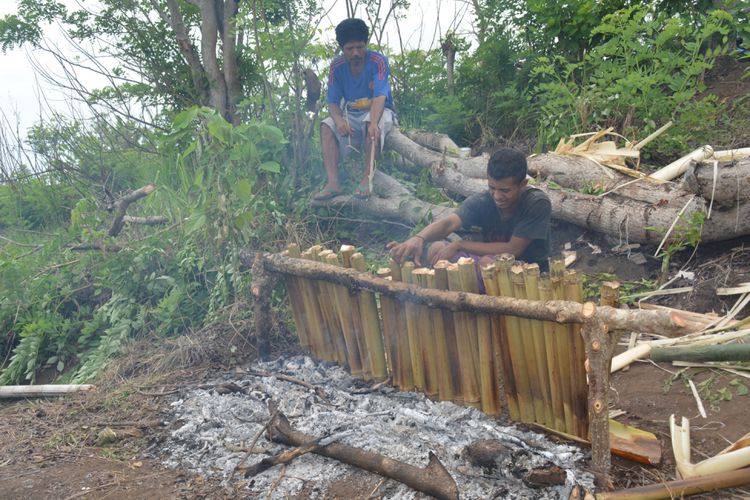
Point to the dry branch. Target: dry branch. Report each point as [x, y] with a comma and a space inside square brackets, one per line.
[433, 480]
[37, 391]
[681, 487]
[122, 206]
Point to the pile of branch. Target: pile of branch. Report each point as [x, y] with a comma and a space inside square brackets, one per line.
[717, 182]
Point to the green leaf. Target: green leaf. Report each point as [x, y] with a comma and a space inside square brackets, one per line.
[60, 366]
[243, 189]
[184, 119]
[270, 166]
[741, 389]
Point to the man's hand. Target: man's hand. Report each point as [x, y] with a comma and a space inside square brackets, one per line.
[343, 127]
[445, 253]
[410, 248]
[373, 132]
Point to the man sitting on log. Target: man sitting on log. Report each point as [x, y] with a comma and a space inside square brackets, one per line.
[360, 106]
[513, 218]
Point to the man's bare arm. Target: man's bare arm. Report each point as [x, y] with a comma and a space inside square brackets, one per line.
[413, 247]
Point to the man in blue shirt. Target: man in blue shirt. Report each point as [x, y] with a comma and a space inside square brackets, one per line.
[360, 107]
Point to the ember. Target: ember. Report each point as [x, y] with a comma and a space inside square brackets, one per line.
[213, 430]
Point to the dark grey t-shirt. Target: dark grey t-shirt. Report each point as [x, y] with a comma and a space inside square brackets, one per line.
[531, 220]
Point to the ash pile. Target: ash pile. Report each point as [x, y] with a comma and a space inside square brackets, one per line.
[212, 433]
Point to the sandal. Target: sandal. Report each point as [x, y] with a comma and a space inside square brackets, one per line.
[362, 192]
[326, 194]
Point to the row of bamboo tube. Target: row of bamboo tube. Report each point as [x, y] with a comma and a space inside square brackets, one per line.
[533, 369]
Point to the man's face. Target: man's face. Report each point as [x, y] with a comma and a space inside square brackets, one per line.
[354, 53]
[505, 193]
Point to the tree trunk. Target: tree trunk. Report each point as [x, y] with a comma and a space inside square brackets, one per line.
[209, 38]
[229, 56]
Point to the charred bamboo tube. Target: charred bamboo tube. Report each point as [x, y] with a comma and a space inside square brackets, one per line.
[412, 330]
[531, 278]
[390, 329]
[564, 349]
[527, 345]
[503, 375]
[465, 327]
[514, 353]
[442, 360]
[294, 290]
[553, 363]
[489, 364]
[574, 292]
[318, 338]
[346, 252]
[403, 376]
[327, 319]
[330, 302]
[427, 337]
[470, 283]
[450, 371]
[610, 294]
[368, 309]
[344, 312]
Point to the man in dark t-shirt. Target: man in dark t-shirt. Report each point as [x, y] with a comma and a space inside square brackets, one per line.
[512, 216]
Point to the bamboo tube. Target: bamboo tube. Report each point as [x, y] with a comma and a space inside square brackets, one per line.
[346, 252]
[574, 292]
[528, 355]
[294, 291]
[412, 330]
[403, 377]
[390, 323]
[427, 338]
[464, 327]
[538, 340]
[314, 315]
[368, 309]
[344, 312]
[564, 354]
[503, 376]
[330, 308]
[553, 363]
[514, 352]
[610, 294]
[470, 283]
[442, 359]
[451, 369]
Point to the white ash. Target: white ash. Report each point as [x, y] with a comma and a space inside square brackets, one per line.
[211, 430]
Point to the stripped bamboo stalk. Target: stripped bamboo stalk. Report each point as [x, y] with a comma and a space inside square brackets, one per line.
[442, 360]
[390, 324]
[562, 341]
[527, 352]
[330, 302]
[464, 327]
[531, 279]
[294, 290]
[344, 312]
[574, 292]
[368, 308]
[314, 315]
[514, 353]
[452, 368]
[503, 375]
[553, 362]
[404, 376]
[426, 337]
[412, 330]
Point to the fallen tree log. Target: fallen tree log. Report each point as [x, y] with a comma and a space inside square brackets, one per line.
[433, 480]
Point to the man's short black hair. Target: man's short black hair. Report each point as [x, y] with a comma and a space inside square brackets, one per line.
[352, 29]
[507, 162]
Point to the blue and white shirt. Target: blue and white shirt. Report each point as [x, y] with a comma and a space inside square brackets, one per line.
[358, 91]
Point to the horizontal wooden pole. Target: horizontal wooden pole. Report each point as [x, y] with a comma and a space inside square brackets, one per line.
[726, 352]
[664, 322]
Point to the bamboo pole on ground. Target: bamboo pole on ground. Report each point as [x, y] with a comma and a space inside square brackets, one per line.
[531, 279]
[514, 352]
[464, 327]
[452, 367]
[368, 309]
[562, 341]
[412, 330]
[574, 292]
[344, 312]
[330, 299]
[442, 359]
[427, 338]
[470, 284]
[404, 377]
[314, 315]
[294, 291]
[527, 352]
[550, 343]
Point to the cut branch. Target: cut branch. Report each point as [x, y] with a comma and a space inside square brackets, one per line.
[122, 206]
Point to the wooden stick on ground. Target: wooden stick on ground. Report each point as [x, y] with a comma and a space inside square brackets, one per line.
[45, 390]
[433, 480]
